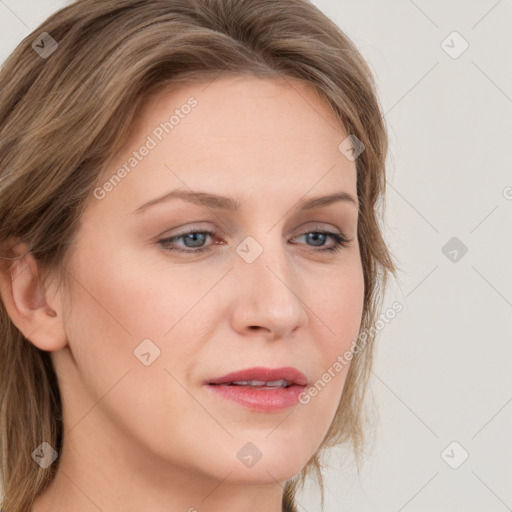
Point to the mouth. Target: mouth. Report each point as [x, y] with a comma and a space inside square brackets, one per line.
[261, 389]
[259, 384]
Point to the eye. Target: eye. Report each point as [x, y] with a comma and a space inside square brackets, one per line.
[195, 239]
[189, 237]
[339, 240]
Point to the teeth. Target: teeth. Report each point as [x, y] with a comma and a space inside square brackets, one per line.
[274, 383]
[280, 382]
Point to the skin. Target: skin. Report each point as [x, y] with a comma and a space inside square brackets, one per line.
[153, 437]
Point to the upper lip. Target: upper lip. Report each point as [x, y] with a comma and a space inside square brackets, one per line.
[265, 374]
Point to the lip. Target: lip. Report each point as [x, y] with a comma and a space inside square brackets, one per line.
[261, 373]
[261, 400]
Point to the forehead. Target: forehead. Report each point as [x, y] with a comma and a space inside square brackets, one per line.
[239, 136]
[245, 108]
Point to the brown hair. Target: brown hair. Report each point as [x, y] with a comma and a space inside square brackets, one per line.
[64, 114]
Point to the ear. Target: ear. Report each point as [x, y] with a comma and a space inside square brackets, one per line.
[25, 301]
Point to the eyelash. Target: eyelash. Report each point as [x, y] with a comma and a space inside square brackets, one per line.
[340, 241]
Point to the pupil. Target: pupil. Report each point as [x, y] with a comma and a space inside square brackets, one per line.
[315, 236]
[193, 237]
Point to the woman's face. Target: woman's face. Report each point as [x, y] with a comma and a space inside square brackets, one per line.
[149, 326]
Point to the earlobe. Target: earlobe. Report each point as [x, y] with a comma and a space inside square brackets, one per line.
[25, 301]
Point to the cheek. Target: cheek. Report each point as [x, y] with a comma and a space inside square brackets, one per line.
[116, 305]
[130, 298]
[339, 312]
[340, 308]
[120, 302]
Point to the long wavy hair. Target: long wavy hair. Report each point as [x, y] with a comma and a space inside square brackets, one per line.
[67, 106]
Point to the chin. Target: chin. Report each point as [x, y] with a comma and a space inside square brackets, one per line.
[274, 464]
[264, 474]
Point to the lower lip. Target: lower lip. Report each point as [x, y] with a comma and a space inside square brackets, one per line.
[262, 400]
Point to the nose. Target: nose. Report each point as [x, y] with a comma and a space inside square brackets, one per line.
[269, 298]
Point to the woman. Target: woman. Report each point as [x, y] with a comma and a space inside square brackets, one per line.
[191, 254]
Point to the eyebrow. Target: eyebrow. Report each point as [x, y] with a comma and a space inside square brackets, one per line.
[219, 202]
